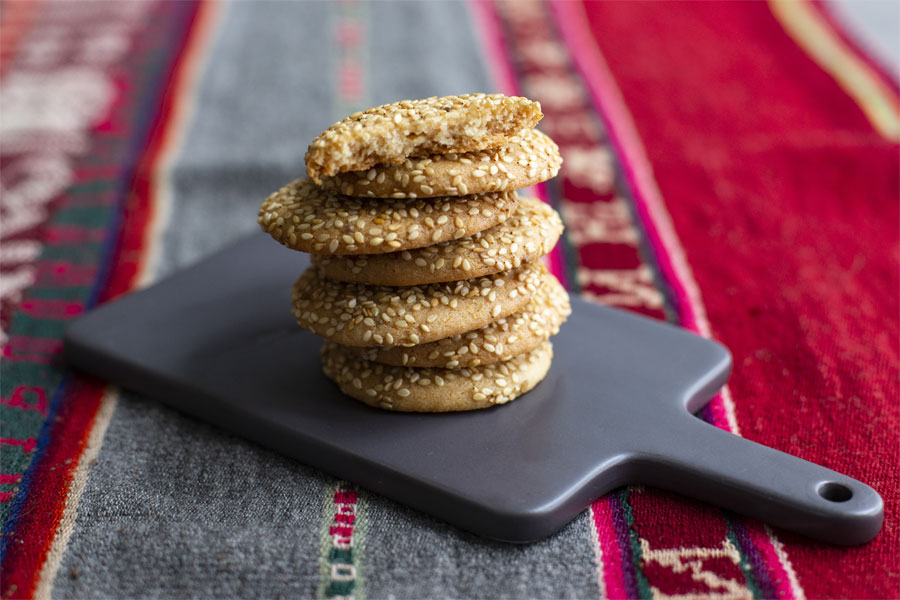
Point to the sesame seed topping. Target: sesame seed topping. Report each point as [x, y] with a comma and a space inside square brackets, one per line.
[447, 174]
[307, 218]
[430, 389]
[367, 315]
[498, 341]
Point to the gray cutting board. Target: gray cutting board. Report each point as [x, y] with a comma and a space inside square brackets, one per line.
[217, 341]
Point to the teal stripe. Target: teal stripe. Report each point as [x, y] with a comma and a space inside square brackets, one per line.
[27, 325]
[93, 217]
[637, 555]
[50, 292]
[81, 253]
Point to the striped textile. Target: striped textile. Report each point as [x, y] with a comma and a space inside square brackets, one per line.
[729, 167]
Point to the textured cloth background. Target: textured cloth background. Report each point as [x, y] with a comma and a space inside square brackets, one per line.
[140, 137]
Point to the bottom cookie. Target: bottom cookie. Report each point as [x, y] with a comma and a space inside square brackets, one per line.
[410, 389]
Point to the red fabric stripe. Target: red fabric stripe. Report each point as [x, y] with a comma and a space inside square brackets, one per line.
[41, 513]
[139, 206]
[785, 201]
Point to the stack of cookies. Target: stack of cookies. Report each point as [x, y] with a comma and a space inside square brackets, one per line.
[426, 280]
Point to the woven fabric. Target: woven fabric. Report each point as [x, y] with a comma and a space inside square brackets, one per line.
[730, 167]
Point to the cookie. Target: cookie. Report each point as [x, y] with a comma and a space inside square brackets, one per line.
[365, 315]
[529, 233]
[392, 132]
[304, 217]
[501, 340]
[529, 158]
[411, 389]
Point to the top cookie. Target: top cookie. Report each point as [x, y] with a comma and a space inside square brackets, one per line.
[529, 158]
[392, 132]
[305, 217]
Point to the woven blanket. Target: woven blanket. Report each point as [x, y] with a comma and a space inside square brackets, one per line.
[730, 167]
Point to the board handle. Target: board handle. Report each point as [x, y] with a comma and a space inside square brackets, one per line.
[785, 491]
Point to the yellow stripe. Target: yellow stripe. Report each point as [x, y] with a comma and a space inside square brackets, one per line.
[812, 33]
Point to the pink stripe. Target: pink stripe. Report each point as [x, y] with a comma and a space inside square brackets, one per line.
[50, 309]
[651, 210]
[33, 344]
[20, 348]
[648, 203]
[504, 76]
[27, 397]
[612, 567]
[606, 96]
[27, 445]
[6, 496]
[717, 413]
[63, 234]
[8, 478]
[781, 579]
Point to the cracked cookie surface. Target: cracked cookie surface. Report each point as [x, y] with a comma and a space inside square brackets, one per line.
[530, 157]
[392, 132]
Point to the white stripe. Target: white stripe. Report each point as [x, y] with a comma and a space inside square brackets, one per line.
[598, 552]
[76, 489]
[796, 588]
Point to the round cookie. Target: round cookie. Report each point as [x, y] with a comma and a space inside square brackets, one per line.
[501, 340]
[362, 315]
[529, 233]
[392, 132]
[529, 158]
[304, 217]
[410, 389]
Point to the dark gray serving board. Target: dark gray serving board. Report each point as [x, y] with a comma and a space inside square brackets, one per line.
[217, 341]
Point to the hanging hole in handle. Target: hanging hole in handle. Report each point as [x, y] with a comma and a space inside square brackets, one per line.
[834, 492]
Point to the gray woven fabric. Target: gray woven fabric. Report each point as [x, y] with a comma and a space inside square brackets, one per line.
[176, 508]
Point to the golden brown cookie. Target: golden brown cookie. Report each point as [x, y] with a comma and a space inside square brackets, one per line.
[366, 315]
[501, 340]
[529, 233]
[529, 158]
[304, 217]
[411, 389]
[392, 132]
